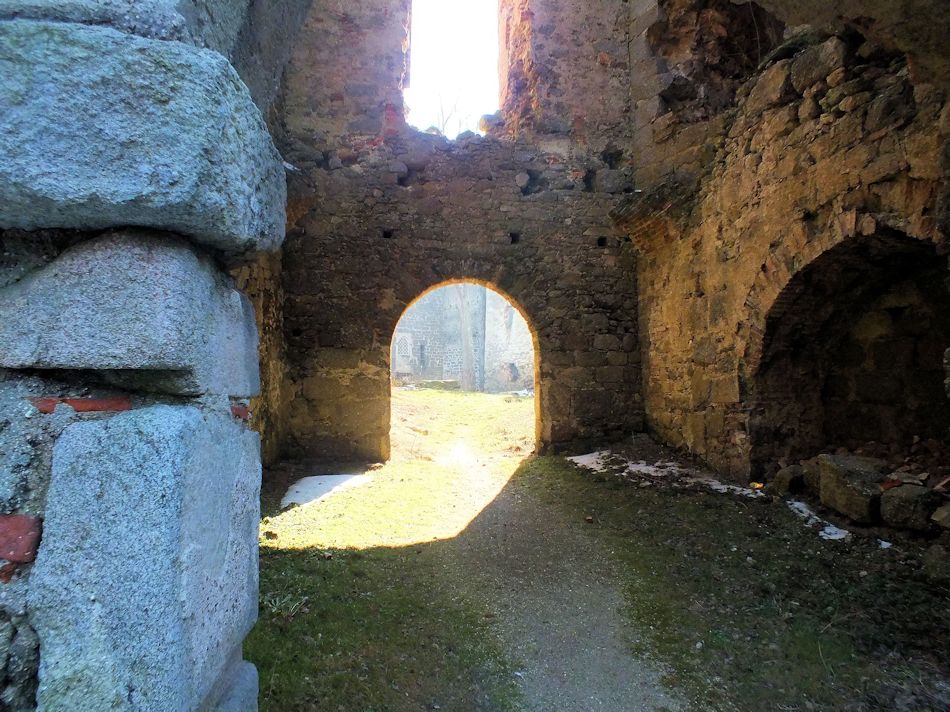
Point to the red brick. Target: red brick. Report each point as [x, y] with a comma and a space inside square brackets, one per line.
[83, 405]
[45, 405]
[240, 411]
[19, 537]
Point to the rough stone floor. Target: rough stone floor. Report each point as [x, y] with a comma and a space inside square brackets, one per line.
[467, 575]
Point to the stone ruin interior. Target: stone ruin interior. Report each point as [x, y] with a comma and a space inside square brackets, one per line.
[725, 223]
[463, 336]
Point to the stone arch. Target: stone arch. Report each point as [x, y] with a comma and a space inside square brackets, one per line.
[339, 332]
[799, 249]
[541, 414]
[847, 349]
[529, 293]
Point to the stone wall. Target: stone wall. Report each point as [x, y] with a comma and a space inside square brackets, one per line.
[260, 280]
[687, 59]
[482, 209]
[428, 342]
[380, 214]
[559, 62]
[435, 326]
[137, 171]
[853, 353]
[830, 144]
[424, 326]
[509, 348]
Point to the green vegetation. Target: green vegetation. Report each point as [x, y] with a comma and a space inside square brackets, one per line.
[745, 607]
[751, 610]
[369, 630]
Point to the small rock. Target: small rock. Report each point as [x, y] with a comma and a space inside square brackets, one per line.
[909, 507]
[809, 109]
[943, 125]
[789, 480]
[399, 168]
[851, 485]
[817, 62]
[812, 475]
[522, 180]
[937, 564]
[613, 181]
[837, 77]
[771, 89]
[942, 516]
[850, 103]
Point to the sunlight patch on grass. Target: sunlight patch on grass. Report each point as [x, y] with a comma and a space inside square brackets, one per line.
[452, 454]
[355, 614]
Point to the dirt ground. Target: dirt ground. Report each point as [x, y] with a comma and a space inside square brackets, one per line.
[469, 575]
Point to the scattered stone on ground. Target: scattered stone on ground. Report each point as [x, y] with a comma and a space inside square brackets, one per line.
[852, 485]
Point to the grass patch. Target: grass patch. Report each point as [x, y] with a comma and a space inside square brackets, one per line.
[369, 630]
[355, 613]
[752, 611]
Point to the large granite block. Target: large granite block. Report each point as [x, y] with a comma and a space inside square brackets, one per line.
[102, 129]
[215, 24]
[146, 580]
[145, 307]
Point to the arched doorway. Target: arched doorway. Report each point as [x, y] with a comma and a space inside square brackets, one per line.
[852, 353]
[467, 335]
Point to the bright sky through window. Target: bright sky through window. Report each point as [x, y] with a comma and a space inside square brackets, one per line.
[454, 64]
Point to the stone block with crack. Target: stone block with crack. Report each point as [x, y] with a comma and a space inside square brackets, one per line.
[102, 128]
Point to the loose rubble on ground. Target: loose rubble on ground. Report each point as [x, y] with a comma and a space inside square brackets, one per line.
[873, 491]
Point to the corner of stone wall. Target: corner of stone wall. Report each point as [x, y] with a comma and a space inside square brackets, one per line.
[129, 479]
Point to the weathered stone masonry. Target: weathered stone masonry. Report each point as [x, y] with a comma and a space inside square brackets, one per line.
[382, 244]
[381, 213]
[136, 169]
[702, 97]
[812, 201]
[720, 229]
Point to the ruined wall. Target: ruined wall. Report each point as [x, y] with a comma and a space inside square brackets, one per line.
[435, 327]
[509, 350]
[425, 324]
[380, 214]
[372, 245]
[916, 28]
[565, 69]
[260, 280]
[831, 144]
[852, 353]
[687, 59]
